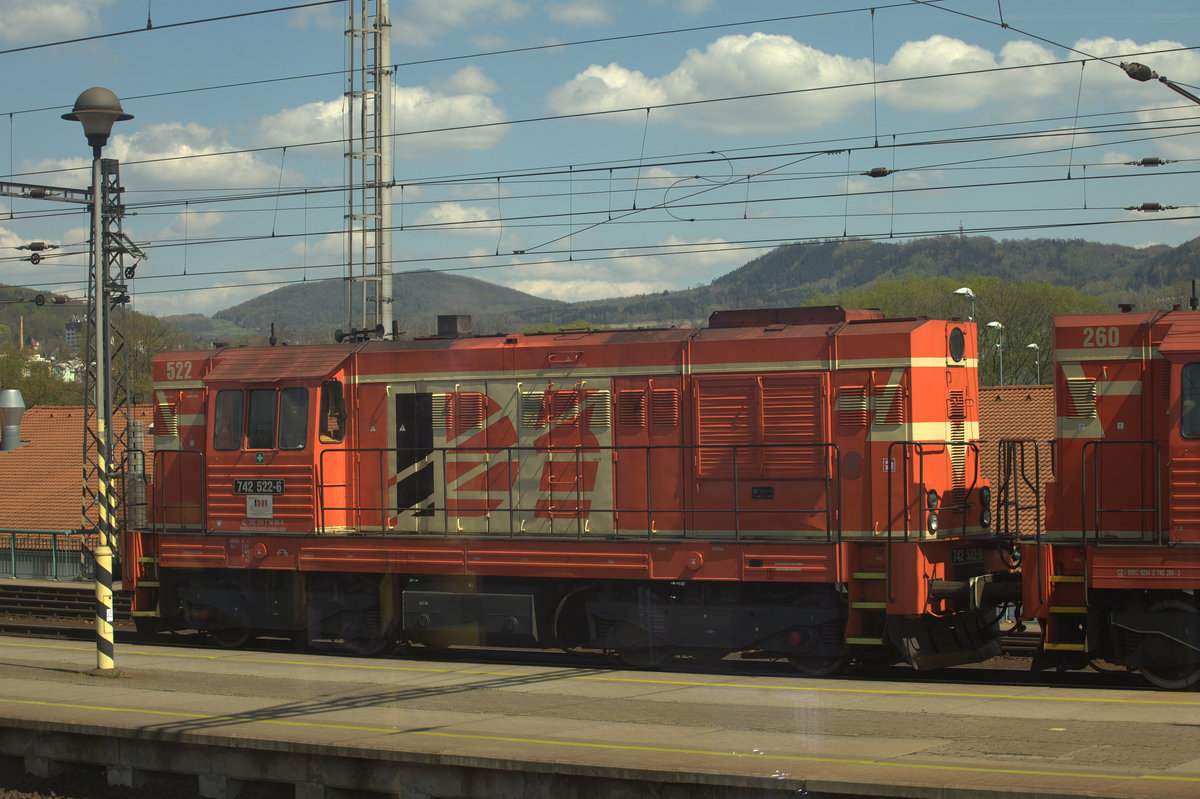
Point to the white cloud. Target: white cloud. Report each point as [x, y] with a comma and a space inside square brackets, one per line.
[171, 147]
[468, 80]
[631, 273]
[192, 224]
[730, 66]
[694, 7]
[1173, 146]
[458, 218]
[35, 23]
[579, 12]
[421, 22]
[1181, 65]
[415, 108]
[942, 54]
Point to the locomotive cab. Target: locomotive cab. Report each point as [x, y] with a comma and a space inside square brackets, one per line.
[1115, 575]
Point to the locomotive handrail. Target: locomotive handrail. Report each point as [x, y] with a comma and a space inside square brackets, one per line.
[1007, 458]
[923, 505]
[1156, 510]
[160, 506]
[830, 476]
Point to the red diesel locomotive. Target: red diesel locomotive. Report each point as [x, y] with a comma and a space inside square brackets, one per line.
[795, 483]
[1113, 574]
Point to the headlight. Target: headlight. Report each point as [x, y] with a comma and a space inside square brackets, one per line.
[931, 521]
[932, 500]
[985, 496]
[985, 517]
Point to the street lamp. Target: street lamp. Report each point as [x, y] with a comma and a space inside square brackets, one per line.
[999, 328]
[966, 292]
[97, 109]
[1037, 360]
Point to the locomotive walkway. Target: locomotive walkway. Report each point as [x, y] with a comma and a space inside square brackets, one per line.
[328, 726]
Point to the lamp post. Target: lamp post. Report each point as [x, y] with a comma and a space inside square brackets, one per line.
[966, 292]
[1037, 360]
[999, 328]
[97, 109]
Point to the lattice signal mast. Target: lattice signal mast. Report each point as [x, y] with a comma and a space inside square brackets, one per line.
[369, 167]
[106, 363]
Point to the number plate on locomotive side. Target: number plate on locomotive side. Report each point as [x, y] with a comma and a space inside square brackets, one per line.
[258, 486]
[966, 555]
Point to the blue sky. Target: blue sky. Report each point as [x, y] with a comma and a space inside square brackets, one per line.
[738, 127]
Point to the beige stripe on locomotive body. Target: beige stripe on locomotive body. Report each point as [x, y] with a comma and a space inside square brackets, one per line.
[654, 371]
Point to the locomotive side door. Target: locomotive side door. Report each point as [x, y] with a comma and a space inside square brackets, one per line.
[564, 480]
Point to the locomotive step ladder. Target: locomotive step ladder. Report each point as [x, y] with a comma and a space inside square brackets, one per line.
[1066, 622]
[867, 620]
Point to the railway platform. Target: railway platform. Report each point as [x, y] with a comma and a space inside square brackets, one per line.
[317, 726]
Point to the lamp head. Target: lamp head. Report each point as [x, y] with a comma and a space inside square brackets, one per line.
[965, 292]
[1033, 347]
[995, 325]
[97, 109]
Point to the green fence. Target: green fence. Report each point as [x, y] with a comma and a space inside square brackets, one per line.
[47, 554]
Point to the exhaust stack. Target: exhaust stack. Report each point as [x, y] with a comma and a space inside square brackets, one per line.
[12, 408]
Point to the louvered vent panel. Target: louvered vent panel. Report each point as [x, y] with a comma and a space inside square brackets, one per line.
[631, 408]
[664, 407]
[441, 411]
[166, 419]
[852, 406]
[564, 407]
[469, 410]
[1082, 391]
[726, 414]
[957, 414]
[599, 404]
[532, 415]
[889, 404]
[791, 413]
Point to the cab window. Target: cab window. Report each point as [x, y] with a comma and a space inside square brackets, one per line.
[333, 412]
[293, 418]
[260, 432]
[1189, 424]
[227, 420]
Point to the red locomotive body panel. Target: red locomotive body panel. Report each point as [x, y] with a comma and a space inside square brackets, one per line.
[586, 481]
[1116, 573]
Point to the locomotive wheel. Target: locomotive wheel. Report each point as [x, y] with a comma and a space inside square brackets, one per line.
[1167, 663]
[634, 647]
[818, 666]
[231, 637]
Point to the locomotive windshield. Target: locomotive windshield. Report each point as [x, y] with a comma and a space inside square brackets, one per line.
[276, 419]
[1189, 424]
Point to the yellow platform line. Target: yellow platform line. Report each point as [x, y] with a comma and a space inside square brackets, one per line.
[801, 684]
[252, 718]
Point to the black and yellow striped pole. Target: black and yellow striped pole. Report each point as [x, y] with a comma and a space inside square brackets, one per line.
[97, 109]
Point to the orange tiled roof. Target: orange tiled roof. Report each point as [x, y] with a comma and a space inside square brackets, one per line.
[1016, 412]
[41, 482]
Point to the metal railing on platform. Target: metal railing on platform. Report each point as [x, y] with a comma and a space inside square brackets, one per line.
[46, 554]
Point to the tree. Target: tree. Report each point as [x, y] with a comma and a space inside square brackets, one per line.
[36, 380]
[145, 337]
[1026, 310]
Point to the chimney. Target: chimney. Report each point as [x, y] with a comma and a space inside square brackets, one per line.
[12, 408]
[454, 326]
